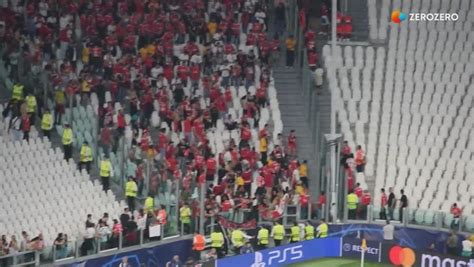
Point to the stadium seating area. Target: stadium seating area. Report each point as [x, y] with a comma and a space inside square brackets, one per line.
[48, 194]
[409, 105]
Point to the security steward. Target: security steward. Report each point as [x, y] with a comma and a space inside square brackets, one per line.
[131, 190]
[278, 233]
[199, 244]
[149, 204]
[237, 238]
[67, 141]
[352, 201]
[85, 157]
[262, 238]
[105, 172]
[309, 231]
[295, 233]
[217, 242]
[17, 92]
[322, 229]
[47, 123]
[185, 218]
[31, 106]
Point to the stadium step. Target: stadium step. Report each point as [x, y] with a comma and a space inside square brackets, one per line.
[293, 114]
[358, 10]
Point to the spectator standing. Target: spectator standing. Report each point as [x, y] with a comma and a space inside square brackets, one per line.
[466, 247]
[303, 169]
[15, 127]
[290, 51]
[105, 139]
[106, 172]
[85, 157]
[452, 243]
[25, 126]
[47, 123]
[24, 241]
[388, 231]
[391, 203]
[89, 236]
[360, 159]
[67, 141]
[383, 205]
[321, 204]
[292, 144]
[131, 190]
[345, 153]
[456, 212]
[403, 204]
[60, 244]
[103, 233]
[161, 216]
[365, 202]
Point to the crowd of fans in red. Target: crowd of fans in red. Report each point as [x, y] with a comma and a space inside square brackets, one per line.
[183, 63]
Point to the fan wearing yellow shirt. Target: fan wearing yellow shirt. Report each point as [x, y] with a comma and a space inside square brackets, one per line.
[290, 51]
[303, 168]
[212, 28]
[151, 50]
[143, 53]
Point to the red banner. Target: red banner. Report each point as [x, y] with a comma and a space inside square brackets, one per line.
[226, 223]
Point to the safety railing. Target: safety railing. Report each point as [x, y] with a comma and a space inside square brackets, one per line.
[24, 258]
[422, 218]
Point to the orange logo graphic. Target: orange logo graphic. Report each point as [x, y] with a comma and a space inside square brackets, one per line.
[402, 256]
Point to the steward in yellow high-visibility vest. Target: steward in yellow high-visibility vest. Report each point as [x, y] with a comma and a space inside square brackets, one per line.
[278, 233]
[217, 242]
[185, 218]
[149, 204]
[30, 103]
[295, 233]
[352, 201]
[105, 170]
[67, 141]
[131, 190]
[237, 238]
[309, 231]
[17, 92]
[323, 229]
[85, 156]
[47, 123]
[262, 238]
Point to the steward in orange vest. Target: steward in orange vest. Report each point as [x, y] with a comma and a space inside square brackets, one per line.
[199, 244]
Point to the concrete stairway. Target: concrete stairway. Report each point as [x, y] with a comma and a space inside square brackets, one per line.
[293, 114]
[360, 23]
